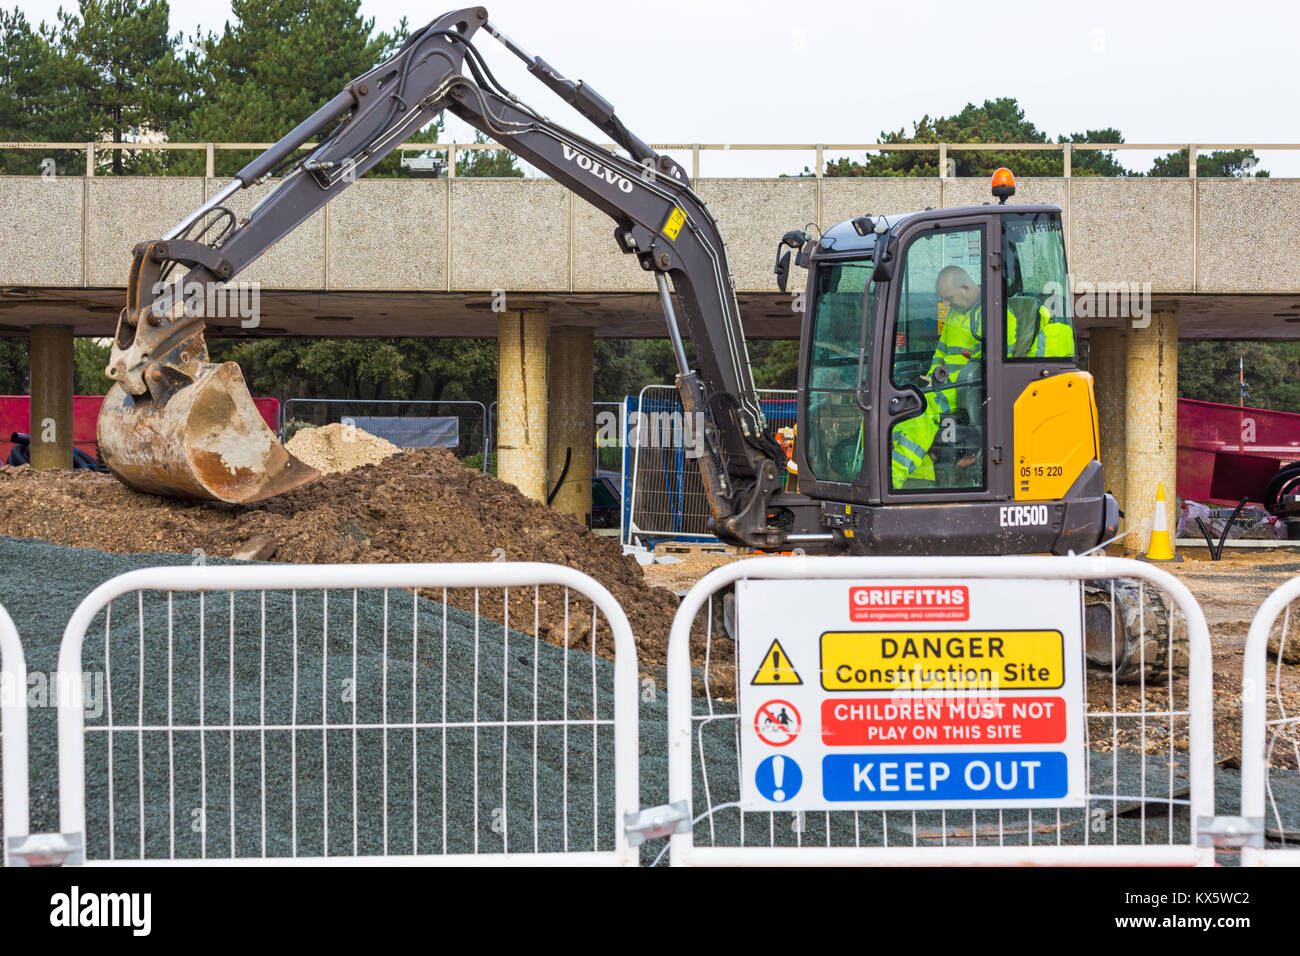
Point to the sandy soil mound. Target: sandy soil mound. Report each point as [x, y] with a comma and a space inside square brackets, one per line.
[413, 506]
[336, 448]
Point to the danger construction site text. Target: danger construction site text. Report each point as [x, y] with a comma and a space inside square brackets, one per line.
[958, 678]
[955, 660]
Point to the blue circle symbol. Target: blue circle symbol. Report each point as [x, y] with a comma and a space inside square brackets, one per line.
[778, 778]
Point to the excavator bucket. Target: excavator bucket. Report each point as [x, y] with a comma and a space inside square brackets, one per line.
[206, 440]
[174, 423]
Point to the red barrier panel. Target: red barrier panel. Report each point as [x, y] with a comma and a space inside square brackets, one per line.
[1227, 452]
[15, 416]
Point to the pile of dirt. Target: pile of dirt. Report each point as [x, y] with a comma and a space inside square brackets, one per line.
[337, 447]
[414, 506]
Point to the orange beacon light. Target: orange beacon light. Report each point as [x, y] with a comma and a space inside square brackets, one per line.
[1004, 184]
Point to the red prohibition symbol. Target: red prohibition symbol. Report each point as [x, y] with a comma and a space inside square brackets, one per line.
[777, 723]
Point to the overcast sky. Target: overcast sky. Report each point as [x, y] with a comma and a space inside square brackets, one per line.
[755, 71]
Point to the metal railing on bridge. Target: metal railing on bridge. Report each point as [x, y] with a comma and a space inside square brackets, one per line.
[696, 150]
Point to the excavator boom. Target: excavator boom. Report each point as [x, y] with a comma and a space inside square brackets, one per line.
[177, 424]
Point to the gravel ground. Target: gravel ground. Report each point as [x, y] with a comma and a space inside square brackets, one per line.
[41, 585]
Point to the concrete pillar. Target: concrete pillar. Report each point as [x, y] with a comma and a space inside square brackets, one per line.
[1151, 419]
[52, 387]
[1108, 363]
[521, 401]
[571, 421]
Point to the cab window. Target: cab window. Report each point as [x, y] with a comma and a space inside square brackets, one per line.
[834, 441]
[1036, 288]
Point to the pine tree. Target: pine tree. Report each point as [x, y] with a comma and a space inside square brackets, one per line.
[28, 83]
[275, 63]
[487, 162]
[121, 76]
[996, 121]
[1219, 164]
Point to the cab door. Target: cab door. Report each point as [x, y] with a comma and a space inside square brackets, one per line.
[938, 435]
[834, 449]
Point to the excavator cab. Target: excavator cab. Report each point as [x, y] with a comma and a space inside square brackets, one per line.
[942, 409]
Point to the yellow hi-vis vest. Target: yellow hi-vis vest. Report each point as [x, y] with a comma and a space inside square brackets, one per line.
[961, 342]
[911, 440]
[1053, 337]
[958, 362]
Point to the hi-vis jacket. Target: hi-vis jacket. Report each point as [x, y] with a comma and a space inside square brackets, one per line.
[958, 364]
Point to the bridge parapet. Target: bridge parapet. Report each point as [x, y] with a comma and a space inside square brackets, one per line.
[1217, 236]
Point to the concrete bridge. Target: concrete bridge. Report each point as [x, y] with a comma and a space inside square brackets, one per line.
[401, 257]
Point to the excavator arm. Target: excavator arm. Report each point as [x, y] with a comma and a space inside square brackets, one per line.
[175, 423]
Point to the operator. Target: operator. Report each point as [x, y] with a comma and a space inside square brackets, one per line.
[957, 362]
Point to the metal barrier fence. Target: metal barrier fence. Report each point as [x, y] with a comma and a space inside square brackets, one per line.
[344, 714]
[1270, 736]
[473, 433]
[1146, 798]
[13, 733]
[667, 498]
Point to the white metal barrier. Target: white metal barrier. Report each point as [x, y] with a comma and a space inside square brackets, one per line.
[1137, 739]
[13, 732]
[349, 714]
[1270, 729]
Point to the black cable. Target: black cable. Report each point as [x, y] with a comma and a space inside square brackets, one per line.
[568, 457]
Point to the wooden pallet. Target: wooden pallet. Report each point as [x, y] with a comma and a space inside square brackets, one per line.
[696, 547]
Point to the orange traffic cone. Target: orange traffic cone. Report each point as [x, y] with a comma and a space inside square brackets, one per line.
[1159, 547]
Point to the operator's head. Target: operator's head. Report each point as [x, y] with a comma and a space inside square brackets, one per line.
[955, 287]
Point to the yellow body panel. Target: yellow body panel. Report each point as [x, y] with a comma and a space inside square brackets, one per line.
[1055, 435]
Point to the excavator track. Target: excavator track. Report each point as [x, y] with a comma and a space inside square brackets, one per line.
[1128, 633]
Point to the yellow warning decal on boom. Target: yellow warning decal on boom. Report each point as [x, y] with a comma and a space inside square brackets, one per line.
[676, 219]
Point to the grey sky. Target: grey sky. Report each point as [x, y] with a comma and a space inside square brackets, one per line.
[748, 71]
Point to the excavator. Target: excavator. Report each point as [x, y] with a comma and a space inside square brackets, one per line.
[910, 440]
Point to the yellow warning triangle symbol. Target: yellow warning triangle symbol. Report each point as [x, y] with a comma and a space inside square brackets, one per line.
[776, 668]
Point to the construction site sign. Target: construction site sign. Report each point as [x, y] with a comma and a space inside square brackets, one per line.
[910, 695]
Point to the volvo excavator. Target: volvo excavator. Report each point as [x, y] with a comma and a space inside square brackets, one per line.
[1003, 430]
